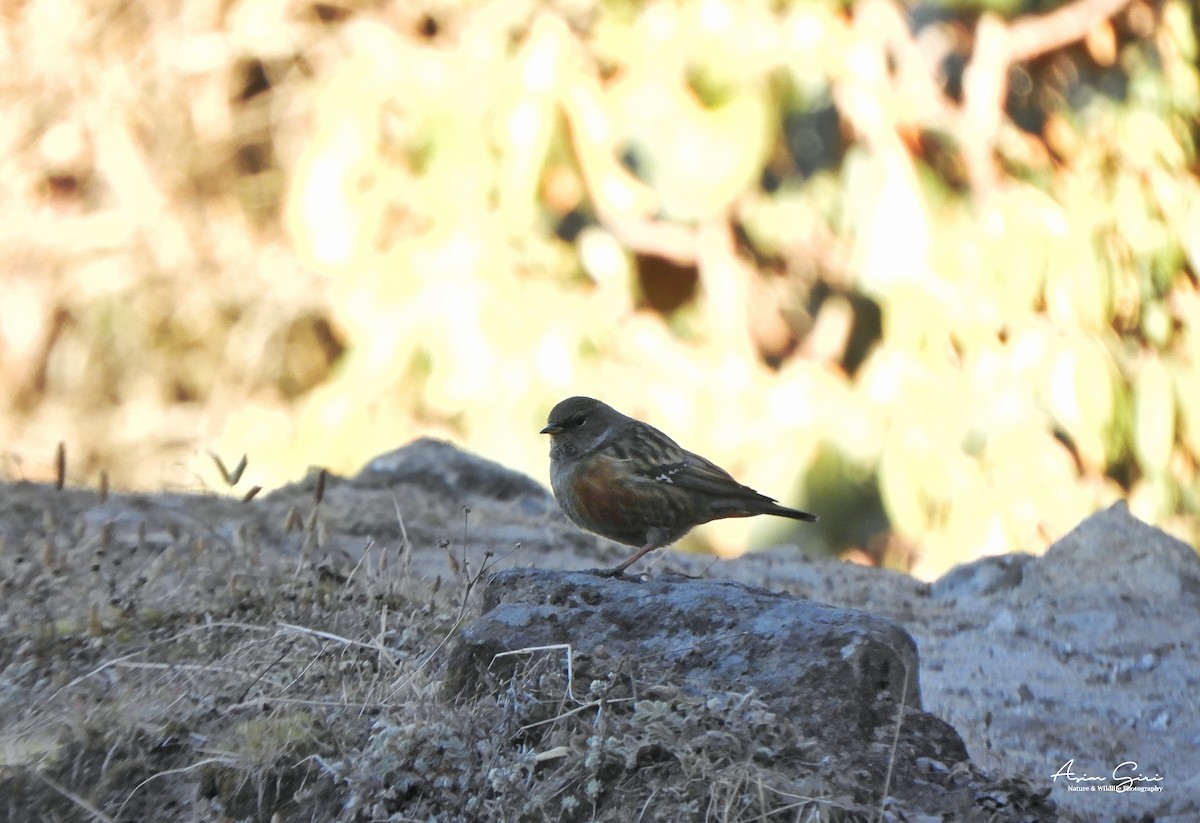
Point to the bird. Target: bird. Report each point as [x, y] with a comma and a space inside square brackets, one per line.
[625, 480]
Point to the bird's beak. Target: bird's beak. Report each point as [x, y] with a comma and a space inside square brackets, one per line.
[551, 429]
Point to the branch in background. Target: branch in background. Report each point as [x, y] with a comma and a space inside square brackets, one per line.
[1031, 36]
[675, 242]
[997, 47]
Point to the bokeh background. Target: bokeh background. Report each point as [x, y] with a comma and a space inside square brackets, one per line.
[929, 270]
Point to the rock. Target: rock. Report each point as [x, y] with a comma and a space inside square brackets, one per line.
[430, 497]
[689, 698]
[436, 464]
[1112, 554]
[987, 575]
[839, 672]
[1082, 657]
[834, 677]
[683, 689]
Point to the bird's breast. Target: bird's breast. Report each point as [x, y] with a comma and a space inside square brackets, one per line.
[603, 496]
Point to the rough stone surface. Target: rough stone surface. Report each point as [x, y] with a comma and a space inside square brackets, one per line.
[1087, 654]
[441, 466]
[839, 674]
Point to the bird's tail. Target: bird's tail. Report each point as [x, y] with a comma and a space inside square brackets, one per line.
[795, 514]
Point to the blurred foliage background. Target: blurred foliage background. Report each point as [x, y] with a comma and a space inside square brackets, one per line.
[929, 270]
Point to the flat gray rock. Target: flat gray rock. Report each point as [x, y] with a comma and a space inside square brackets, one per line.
[1085, 656]
[443, 466]
[835, 676]
[840, 673]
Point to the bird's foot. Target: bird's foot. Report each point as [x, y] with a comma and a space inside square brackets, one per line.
[614, 572]
[619, 569]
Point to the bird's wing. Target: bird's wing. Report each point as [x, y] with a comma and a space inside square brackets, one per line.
[698, 474]
[652, 456]
[690, 489]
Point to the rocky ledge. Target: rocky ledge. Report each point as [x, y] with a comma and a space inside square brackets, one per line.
[417, 642]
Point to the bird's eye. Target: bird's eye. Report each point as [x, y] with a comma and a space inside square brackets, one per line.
[578, 421]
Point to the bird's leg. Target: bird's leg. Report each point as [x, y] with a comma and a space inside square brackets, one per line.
[619, 569]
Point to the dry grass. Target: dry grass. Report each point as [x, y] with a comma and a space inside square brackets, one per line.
[272, 687]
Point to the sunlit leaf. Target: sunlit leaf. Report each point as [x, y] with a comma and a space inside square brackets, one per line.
[972, 527]
[1077, 289]
[1153, 416]
[1152, 498]
[900, 467]
[1186, 379]
[891, 226]
[696, 159]
[1147, 140]
[1018, 228]
[1079, 391]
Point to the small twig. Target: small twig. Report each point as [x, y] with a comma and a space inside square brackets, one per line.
[458, 621]
[231, 478]
[345, 641]
[887, 782]
[74, 798]
[319, 488]
[382, 634]
[267, 668]
[591, 704]
[553, 647]
[802, 801]
[466, 518]
[178, 667]
[405, 549]
[60, 466]
[167, 773]
[122, 661]
[362, 559]
[484, 568]
[312, 662]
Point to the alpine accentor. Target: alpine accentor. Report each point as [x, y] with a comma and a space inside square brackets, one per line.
[626, 480]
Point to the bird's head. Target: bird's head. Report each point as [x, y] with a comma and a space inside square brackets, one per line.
[580, 425]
